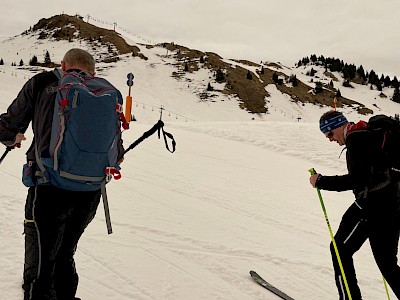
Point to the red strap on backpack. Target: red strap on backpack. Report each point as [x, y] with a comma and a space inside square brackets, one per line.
[112, 172]
[125, 124]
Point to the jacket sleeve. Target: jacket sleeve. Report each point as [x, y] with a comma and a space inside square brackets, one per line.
[18, 115]
[359, 164]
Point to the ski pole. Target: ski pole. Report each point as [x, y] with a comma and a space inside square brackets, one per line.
[5, 154]
[159, 126]
[386, 288]
[313, 172]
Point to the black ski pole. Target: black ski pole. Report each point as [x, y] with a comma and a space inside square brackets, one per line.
[157, 127]
[145, 135]
[5, 154]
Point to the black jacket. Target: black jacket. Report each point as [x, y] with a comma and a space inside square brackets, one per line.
[35, 102]
[362, 165]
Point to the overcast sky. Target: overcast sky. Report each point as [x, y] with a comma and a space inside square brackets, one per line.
[358, 31]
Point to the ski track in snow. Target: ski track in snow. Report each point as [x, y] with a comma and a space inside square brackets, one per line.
[176, 230]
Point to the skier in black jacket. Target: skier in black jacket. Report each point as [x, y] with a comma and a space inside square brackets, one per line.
[54, 218]
[374, 213]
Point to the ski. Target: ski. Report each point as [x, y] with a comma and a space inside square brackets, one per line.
[261, 281]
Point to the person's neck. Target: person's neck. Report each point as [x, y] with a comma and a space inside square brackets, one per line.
[78, 71]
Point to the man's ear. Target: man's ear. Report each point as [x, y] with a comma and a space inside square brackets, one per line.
[63, 66]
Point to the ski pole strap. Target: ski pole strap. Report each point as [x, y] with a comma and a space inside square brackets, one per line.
[167, 135]
[159, 126]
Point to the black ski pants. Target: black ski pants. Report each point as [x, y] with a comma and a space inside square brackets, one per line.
[54, 221]
[375, 218]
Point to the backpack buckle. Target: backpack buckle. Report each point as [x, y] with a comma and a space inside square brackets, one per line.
[64, 102]
[111, 173]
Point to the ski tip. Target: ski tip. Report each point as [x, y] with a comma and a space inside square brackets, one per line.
[252, 272]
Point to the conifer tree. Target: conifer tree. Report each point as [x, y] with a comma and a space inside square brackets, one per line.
[249, 76]
[382, 79]
[346, 83]
[353, 71]
[1, 62]
[293, 80]
[379, 86]
[360, 72]
[275, 78]
[33, 61]
[372, 78]
[396, 95]
[346, 72]
[395, 82]
[387, 82]
[336, 65]
[47, 59]
[318, 87]
[219, 75]
[313, 58]
[305, 61]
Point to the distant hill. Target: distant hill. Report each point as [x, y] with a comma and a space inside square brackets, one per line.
[65, 27]
[248, 82]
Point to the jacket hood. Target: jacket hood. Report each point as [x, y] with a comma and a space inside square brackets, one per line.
[361, 125]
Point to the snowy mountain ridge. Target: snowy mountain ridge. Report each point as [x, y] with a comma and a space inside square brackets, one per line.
[194, 75]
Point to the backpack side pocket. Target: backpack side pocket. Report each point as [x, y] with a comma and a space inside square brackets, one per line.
[28, 174]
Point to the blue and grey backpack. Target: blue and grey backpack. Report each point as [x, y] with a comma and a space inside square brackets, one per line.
[85, 134]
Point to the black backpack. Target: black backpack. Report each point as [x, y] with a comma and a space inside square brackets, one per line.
[386, 133]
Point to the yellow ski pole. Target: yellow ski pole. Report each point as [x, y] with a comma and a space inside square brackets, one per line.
[312, 172]
[386, 288]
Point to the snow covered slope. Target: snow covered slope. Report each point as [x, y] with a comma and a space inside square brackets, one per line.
[234, 196]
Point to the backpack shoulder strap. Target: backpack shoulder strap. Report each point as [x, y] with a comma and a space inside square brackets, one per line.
[58, 72]
[53, 89]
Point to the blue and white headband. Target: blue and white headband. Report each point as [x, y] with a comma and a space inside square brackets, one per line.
[332, 123]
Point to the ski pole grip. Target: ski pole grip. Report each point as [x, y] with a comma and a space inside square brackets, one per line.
[312, 171]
